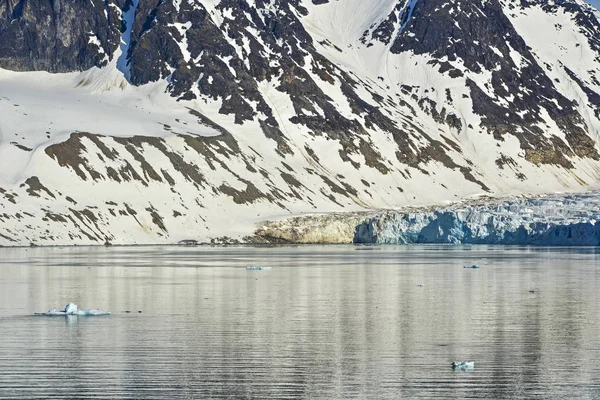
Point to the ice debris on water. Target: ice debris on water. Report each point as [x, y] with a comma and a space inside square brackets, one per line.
[258, 268]
[471, 266]
[464, 365]
[72, 309]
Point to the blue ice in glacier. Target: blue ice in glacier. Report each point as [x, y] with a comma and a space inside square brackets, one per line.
[550, 220]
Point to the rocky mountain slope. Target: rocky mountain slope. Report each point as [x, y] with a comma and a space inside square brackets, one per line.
[154, 121]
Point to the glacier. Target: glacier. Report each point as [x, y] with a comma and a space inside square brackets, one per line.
[557, 220]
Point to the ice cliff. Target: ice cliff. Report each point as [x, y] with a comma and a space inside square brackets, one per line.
[559, 220]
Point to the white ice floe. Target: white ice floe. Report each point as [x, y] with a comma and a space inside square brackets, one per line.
[72, 309]
[463, 365]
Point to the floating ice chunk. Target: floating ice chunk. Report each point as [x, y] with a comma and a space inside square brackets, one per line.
[72, 309]
[463, 365]
[258, 268]
[471, 266]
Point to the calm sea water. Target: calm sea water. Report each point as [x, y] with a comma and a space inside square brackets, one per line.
[326, 322]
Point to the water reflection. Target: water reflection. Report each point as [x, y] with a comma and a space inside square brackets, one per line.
[325, 322]
[71, 320]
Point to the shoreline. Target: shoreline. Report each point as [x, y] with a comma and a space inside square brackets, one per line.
[346, 222]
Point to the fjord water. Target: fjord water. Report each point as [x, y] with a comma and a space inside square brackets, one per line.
[332, 322]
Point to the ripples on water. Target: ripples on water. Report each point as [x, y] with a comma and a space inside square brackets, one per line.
[325, 322]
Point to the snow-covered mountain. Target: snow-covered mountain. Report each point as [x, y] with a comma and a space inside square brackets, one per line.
[154, 121]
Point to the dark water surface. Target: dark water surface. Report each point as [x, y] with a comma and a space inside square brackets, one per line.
[326, 322]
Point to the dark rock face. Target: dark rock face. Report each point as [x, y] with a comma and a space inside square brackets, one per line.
[59, 35]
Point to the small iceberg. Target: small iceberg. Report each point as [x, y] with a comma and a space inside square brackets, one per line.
[258, 268]
[471, 266]
[72, 309]
[464, 365]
